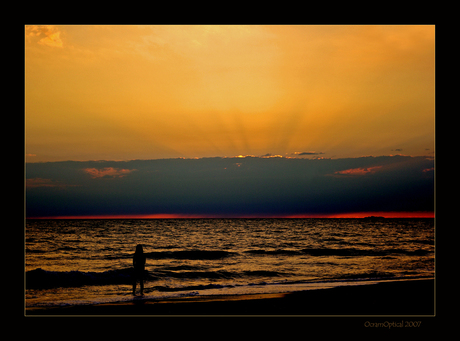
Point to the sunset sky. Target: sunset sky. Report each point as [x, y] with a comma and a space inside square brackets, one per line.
[148, 92]
[122, 93]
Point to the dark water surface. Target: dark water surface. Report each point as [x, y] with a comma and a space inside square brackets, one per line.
[90, 261]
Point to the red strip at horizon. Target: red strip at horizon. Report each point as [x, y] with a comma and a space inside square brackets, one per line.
[208, 216]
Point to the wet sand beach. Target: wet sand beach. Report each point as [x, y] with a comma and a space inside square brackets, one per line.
[411, 297]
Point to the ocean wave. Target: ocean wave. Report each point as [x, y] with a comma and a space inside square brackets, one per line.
[221, 274]
[273, 252]
[314, 252]
[43, 279]
[344, 252]
[189, 254]
[366, 275]
[354, 252]
[190, 287]
[262, 273]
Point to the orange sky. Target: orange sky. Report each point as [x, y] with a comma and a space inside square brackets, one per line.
[146, 92]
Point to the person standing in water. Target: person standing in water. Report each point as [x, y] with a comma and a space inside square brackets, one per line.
[139, 267]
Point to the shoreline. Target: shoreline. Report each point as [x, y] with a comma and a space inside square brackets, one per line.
[405, 297]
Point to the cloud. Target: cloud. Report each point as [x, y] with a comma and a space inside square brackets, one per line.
[50, 32]
[107, 172]
[308, 153]
[40, 182]
[358, 171]
[224, 186]
[268, 155]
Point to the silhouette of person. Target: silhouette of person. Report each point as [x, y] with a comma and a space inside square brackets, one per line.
[139, 266]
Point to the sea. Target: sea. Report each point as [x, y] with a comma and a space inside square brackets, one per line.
[75, 262]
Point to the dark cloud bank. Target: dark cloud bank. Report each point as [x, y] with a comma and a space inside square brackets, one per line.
[230, 187]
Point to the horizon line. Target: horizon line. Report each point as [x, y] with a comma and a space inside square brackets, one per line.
[266, 156]
[356, 215]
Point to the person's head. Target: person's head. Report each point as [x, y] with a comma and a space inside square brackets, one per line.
[139, 248]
